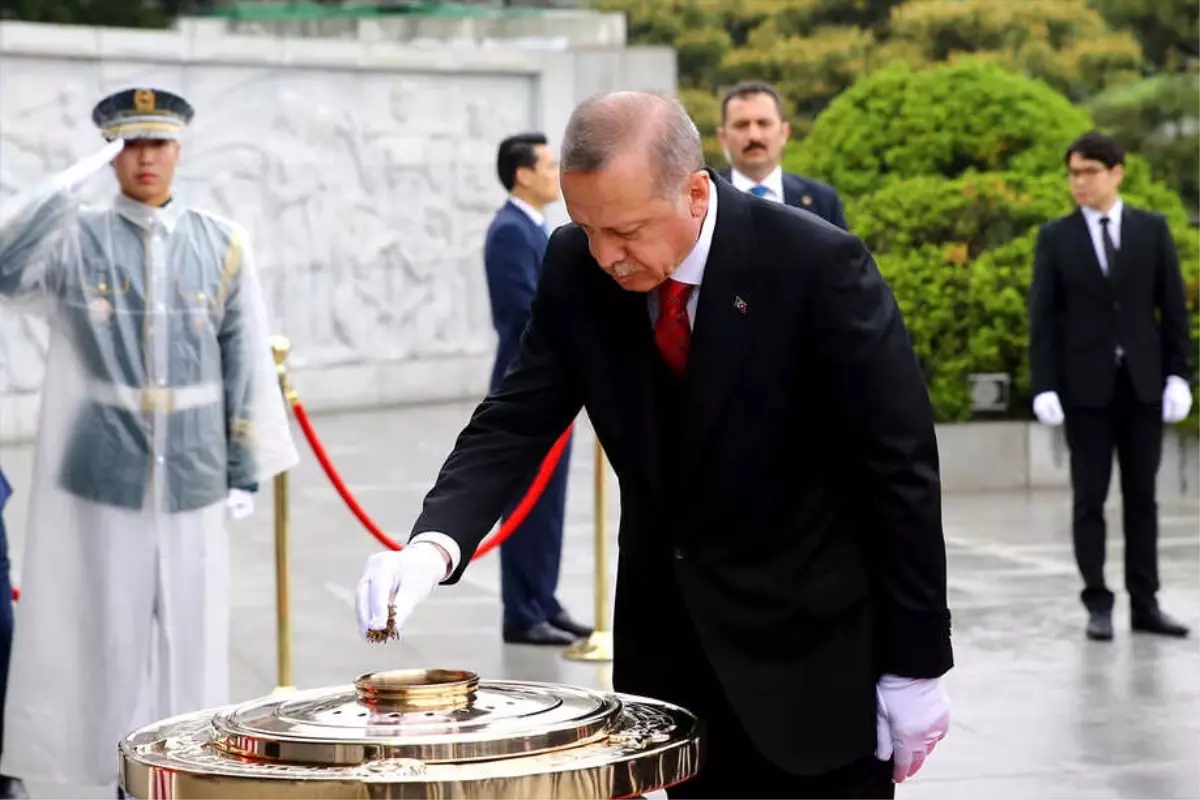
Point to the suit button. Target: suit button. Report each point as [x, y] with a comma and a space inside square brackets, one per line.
[680, 554]
[1116, 306]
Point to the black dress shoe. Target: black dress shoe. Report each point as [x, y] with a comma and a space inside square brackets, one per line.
[12, 787]
[541, 633]
[1155, 621]
[564, 623]
[1100, 627]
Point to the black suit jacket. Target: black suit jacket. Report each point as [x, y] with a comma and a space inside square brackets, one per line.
[1078, 315]
[811, 195]
[807, 545]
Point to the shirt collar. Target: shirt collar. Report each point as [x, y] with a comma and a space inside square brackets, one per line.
[691, 270]
[146, 217]
[1093, 216]
[773, 181]
[538, 217]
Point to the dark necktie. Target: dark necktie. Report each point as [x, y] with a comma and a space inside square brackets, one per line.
[672, 333]
[1110, 250]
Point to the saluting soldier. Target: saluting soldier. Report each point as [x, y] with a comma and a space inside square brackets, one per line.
[160, 416]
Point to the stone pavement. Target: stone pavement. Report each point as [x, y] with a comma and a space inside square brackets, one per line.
[1039, 712]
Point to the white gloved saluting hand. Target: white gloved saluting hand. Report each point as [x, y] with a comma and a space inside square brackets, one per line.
[403, 579]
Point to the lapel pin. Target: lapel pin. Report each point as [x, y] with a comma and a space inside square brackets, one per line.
[807, 200]
[739, 304]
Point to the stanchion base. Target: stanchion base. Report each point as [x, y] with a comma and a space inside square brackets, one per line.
[597, 647]
[279, 691]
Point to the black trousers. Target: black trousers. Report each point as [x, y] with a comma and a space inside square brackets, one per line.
[1134, 431]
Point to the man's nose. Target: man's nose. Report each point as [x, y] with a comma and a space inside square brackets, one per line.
[606, 251]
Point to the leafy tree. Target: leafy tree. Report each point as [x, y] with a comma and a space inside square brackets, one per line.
[113, 13]
[1063, 42]
[1167, 29]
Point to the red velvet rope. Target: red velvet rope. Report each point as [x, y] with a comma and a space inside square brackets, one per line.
[545, 473]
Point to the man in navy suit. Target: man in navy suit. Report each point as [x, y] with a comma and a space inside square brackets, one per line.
[516, 241]
[9, 786]
[754, 134]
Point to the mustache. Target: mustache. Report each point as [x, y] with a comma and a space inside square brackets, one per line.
[753, 146]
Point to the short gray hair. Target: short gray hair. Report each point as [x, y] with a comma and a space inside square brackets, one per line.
[608, 125]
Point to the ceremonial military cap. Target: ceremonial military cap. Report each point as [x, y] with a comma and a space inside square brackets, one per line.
[142, 114]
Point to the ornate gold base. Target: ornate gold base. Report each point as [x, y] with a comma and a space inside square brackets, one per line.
[597, 647]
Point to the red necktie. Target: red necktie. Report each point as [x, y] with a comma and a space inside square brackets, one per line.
[672, 332]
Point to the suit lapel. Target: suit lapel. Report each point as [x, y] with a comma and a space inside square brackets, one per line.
[725, 321]
[634, 380]
[1082, 243]
[1131, 241]
[791, 191]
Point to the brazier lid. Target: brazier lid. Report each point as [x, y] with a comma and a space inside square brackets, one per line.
[421, 733]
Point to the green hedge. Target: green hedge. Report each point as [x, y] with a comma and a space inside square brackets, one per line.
[947, 174]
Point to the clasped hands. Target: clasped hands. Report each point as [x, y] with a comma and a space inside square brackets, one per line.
[912, 715]
[1176, 403]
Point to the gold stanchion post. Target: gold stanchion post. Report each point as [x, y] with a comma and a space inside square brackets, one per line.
[598, 646]
[280, 348]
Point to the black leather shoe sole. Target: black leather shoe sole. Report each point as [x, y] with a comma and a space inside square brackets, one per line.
[1160, 626]
[1100, 628]
[565, 623]
[540, 634]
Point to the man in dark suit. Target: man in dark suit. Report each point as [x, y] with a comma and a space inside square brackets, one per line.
[754, 134]
[9, 786]
[1109, 352]
[512, 257]
[782, 565]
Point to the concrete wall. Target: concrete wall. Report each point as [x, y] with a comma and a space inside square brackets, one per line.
[364, 171]
[552, 28]
[1002, 456]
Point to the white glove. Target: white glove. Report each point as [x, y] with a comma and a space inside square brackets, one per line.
[240, 503]
[912, 716]
[1048, 409]
[402, 579]
[1177, 400]
[71, 178]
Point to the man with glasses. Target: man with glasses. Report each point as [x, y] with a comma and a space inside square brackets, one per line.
[1109, 352]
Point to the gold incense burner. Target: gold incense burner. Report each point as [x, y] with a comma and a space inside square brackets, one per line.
[417, 734]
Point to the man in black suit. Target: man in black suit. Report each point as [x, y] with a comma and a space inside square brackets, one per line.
[754, 134]
[782, 565]
[1105, 365]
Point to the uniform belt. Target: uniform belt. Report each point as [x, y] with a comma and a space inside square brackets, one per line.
[153, 399]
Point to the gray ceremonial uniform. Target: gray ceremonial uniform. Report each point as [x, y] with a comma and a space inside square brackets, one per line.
[160, 394]
[157, 336]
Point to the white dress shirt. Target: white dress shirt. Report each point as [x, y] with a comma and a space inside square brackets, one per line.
[773, 182]
[538, 217]
[690, 271]
[1092, 217]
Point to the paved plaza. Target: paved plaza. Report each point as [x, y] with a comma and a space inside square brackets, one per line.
[1039, 712]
